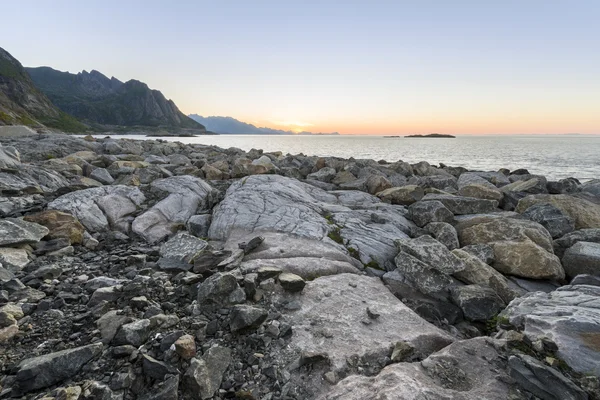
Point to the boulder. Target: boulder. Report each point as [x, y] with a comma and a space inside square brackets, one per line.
[477, 302]
[61, 225]
[291, 282]
[134, 333]
[14, 232]
[477, 272]
[585, 213]
[472, 185]
[569, 316]
[582, 258]
[482, 251]
[198, 225]
[592, 187]
[404, 195]
[564, 186]
[377, 183]
[185, 196]
[526, 259]
[554, 220]
[431, 252]
[444, 233]
[424, 212]
[220, 289]
[94, 207]
[460, 205]
[50, 369]
[14, 259]
[501, 229]
[423, 277]
[9, 157]
[102, 175]
[326, 174]
[532, 186]
[465, 370]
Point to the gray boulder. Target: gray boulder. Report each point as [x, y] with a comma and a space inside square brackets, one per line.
[477, 302]
[424, 212]
[103, 208]
[14, 232]
[198, 225]
[134, 333]
[433, 253]
[326, 174]
[592, 187]
[50, 369]
[444, 233]
[482, 251]
[102, 176]
[582, 235]
[569, 315]
[554, 220]
[220, 289]
[185, 196]
[405, 195]
[582, 258]
[425, 278]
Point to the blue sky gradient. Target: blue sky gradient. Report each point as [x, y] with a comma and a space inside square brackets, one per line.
[355, 66]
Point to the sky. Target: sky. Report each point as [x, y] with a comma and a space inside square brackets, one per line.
[356, 67]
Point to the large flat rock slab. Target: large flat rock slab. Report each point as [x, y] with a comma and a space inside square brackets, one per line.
[569, 316]
[465, 370]
[332, 320]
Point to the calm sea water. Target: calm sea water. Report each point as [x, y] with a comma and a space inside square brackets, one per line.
[555, 156]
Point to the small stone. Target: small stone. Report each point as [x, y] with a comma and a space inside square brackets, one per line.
[251, 245]
[244, 317]
[267, 272]
[371, 313]
[185, 346]
[402, 351]
[291, 282]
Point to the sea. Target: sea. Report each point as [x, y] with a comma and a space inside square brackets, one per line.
[554, 156]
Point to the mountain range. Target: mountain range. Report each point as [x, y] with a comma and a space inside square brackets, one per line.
[87, 101]
[22, 103]
[229, 125]
[100, 101]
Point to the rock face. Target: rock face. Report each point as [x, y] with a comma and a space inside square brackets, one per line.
[582, 258]
[14, 231]
[43, 371]
[569, 316]
[585, 213]
[448, 374]
[185, 195]
[342, 329]
[101, 209]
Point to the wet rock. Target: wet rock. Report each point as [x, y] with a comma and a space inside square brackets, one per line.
[551, 218]
[60, 225]
[244, 318]
[424, 212]
[542, 380]
[582, 258]
[14, 231]
[49, 369]
[204, 375]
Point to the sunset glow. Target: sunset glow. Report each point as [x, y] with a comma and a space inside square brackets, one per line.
[465, 67]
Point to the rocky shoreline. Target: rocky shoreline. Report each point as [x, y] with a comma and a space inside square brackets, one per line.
[160, 270]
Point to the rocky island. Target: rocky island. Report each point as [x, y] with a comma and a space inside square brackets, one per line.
[160, 270]
[431, 135]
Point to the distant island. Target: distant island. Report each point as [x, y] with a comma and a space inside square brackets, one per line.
[431, 135]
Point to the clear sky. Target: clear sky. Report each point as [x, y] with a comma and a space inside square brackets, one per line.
[381, 67]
